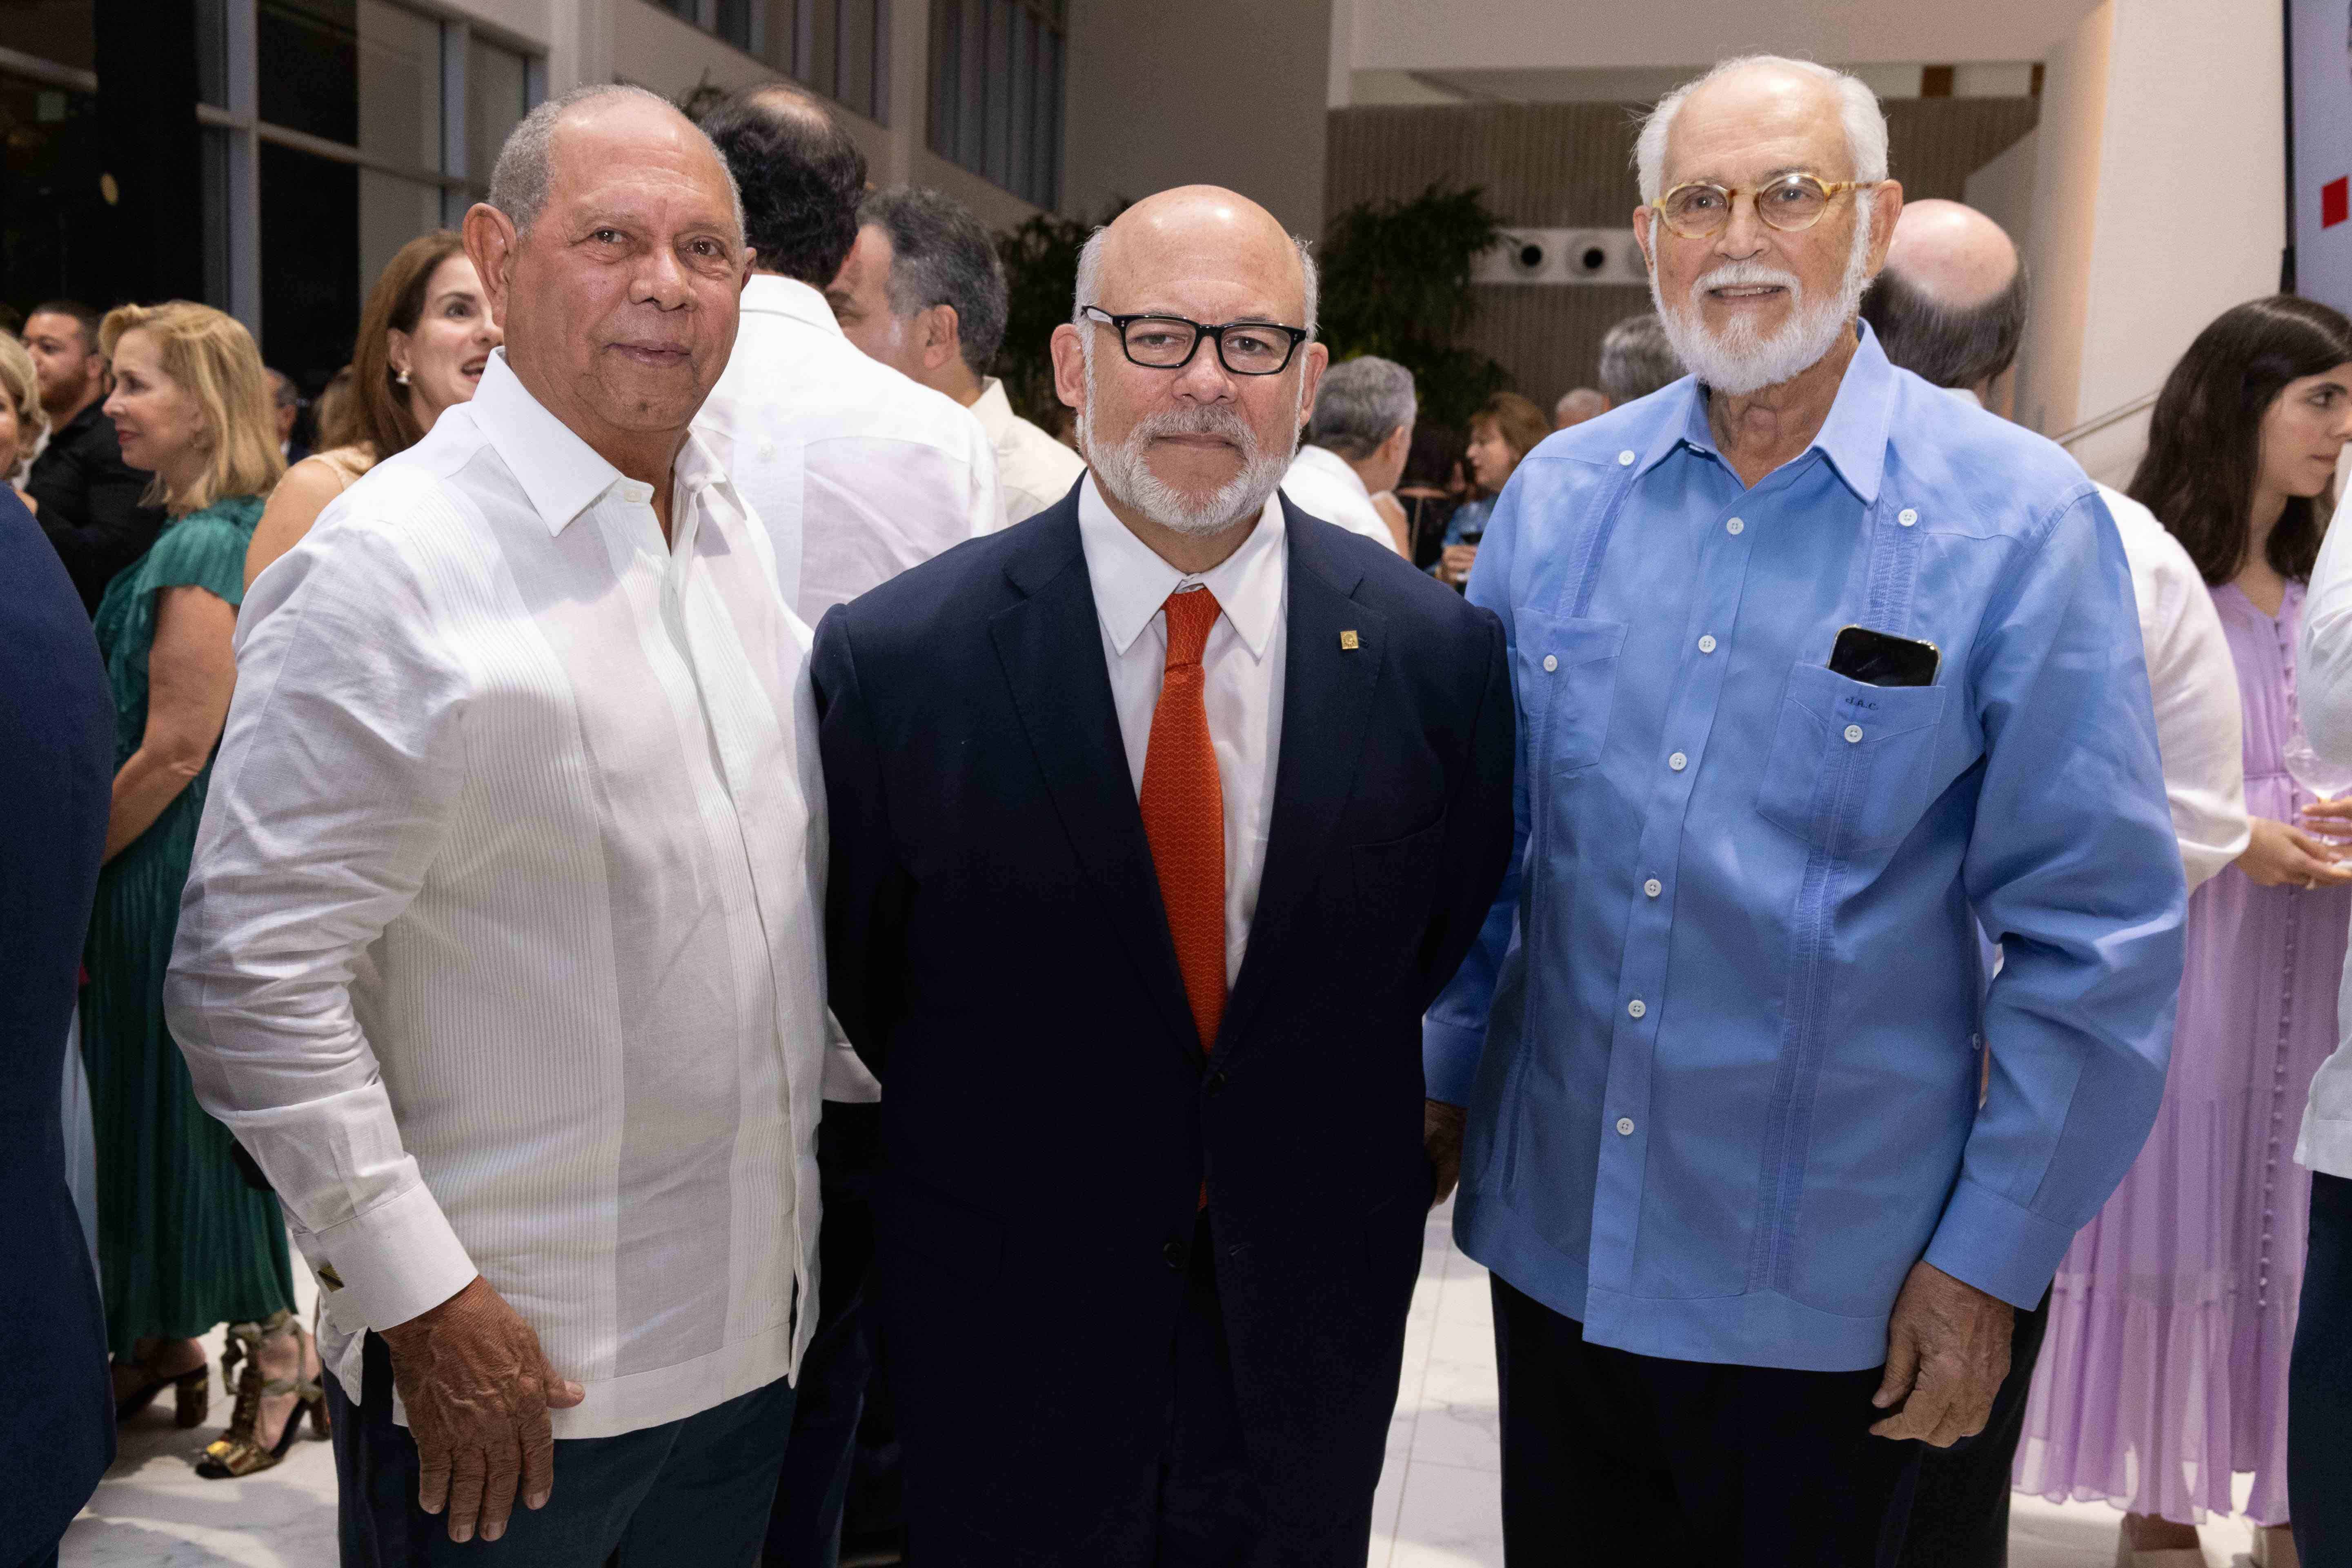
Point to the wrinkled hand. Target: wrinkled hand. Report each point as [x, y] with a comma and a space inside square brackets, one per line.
[2279, 856]
[477, 1390]
[1947, 1352]
[1453, 567]
[1441, 1135]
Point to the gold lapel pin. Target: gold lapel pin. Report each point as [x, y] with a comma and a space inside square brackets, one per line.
[1347, 641]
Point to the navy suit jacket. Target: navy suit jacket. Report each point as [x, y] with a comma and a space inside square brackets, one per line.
[999, 956]
[57, 769]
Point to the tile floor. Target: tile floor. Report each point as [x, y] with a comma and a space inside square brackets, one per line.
[1436, 1508]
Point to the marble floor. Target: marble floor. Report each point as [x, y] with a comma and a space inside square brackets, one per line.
[1437, 1505]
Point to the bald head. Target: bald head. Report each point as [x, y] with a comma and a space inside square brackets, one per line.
[1199, 232]
[1953, 254]
[1950, 303]
[586, 126]
[1577, 407]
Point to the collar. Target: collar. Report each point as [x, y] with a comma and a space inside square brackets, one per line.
[993, 409]
[774, 294]
[561, 474]
[1330, 464]
[1854, 437]
[1131, 582]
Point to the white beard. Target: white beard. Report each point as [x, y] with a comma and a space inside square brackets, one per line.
[1740, 361]
[1125, 471]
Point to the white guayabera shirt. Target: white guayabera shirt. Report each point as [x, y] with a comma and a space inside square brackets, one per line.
[1321, 483]
[501, 952]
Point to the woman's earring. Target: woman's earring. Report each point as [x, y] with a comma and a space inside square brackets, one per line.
[400, 376]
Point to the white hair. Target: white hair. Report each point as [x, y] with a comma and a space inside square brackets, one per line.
[1089, 288]
[1865, 124]
[520, 178]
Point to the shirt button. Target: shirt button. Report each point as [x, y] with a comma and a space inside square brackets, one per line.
[1906, 517]
[1552, 662]
[1735, 525]
[1678, 762]
[1625, 1127]
[1637, 1006]
[1707, 645]
[1653, 887]
[1852, 733]
[1625, 459]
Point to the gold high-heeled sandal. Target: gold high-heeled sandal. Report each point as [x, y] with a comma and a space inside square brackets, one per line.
[239, 1451]
[192, 1393]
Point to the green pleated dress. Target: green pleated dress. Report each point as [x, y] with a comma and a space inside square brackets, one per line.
[184, 1243]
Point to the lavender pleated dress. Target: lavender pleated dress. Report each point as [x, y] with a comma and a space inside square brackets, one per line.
[2171, 1318]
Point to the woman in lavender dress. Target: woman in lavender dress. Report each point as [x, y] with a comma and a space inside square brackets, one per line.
[2172, 1316]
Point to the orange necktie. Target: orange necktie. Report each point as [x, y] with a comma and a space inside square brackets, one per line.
[1185, 813]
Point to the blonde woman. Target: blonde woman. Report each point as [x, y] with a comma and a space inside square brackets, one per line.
[184, 1243]
[424, 339]
[22, 422]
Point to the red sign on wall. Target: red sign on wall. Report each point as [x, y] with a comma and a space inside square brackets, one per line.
[2335, 201]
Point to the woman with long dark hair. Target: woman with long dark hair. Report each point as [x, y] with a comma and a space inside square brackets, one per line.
[425, 337]
[2173, 1315]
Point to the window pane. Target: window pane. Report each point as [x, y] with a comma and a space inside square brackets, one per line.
[55, 30]
[734, 22]
[51, 215]
[945, 72]
[211, 52]
[400, 86]
[855, 83]
[972, 129]
[1020, 94]
[1051, 195]
[309, 264]
[498, 88]
[309, 63]
[392, 211]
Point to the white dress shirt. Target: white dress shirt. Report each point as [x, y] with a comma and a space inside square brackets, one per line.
[1241, 668]
[857, 472]
[2199, 730]
[2323, 684]
[1321, 483]
[1033, 469]
[502, 948]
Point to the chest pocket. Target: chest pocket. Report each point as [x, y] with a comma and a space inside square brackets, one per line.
[1851, 766]
[1568, 682]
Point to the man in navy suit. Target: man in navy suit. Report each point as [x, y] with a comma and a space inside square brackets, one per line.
[1157, 821]
[57, 734]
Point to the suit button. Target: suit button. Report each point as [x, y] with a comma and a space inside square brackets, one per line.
[1216, 1084]
[1174, 1253]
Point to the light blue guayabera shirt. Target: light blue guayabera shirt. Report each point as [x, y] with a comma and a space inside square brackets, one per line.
[1730, 998]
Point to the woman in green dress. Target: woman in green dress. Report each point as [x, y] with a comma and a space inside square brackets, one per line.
[185, 1243]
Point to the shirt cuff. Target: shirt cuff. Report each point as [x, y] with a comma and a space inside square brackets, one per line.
[1449, 1060]
[383, 1267]
[1989, 1242]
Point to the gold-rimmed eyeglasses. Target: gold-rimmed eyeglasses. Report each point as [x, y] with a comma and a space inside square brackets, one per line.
[1701, 209]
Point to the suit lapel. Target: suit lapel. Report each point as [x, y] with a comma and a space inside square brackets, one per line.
[1050, 644]
[1325, 703]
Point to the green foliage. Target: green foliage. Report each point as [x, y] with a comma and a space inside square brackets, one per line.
[1041, 275]
[1396, 283]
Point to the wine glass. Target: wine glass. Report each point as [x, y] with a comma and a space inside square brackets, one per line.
[2323, 777]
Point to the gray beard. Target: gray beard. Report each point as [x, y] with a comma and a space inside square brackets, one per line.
[1125, 471]
[1739, 361]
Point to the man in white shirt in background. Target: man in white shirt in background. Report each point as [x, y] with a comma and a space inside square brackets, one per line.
[1357, 442]
[502, 950]
[856, 474]
[1950, 306]
[924, 292]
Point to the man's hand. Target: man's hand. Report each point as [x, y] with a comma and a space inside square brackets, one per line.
[1947, 1352]
[1453, 565]
[1441, 1135]
[477, 1390]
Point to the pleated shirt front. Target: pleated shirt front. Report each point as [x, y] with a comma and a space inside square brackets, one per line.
[501, 950]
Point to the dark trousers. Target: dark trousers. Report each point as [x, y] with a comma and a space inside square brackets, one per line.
[1198, 1504]
[1959, 1514]
[1609, 1457]
[693, 1492]
[2319, 1385]
[804, 1525]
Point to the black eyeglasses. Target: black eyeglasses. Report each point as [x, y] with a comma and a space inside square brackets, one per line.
[1169, 343]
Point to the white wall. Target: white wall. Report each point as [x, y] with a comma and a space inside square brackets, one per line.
[2147, 100]
[1426, 35]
